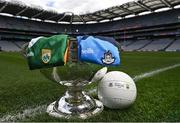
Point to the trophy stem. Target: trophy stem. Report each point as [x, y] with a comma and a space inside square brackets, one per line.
[75, 95]
[75, 104]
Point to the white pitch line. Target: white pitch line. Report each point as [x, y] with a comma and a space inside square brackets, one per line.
[145, 75]
[154, 72]
[24, 114]
[27, 113]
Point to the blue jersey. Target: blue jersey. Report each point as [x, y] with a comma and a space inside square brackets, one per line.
[97, 51]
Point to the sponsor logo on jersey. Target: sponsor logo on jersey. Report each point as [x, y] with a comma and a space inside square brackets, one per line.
[88, 51]
[46, 55]
[108, 58]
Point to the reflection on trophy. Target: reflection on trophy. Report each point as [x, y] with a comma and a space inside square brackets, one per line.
[75, 76]
[71, 63]
[75, 102]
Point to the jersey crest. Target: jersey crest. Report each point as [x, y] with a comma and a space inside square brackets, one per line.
[108, 58]
[46, 55]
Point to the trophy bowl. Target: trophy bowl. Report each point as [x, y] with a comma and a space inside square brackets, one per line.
[75, 103]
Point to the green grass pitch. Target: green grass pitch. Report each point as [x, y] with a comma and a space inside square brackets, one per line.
[158, 97]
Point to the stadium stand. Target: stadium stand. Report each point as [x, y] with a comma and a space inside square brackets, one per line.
[175, 46]
[157, 45]
[141, 33]
[8, 46]
[19, 43]
[126, 43]
[138, 44]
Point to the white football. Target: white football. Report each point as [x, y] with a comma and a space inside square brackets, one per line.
[99, 74]
[117, 90]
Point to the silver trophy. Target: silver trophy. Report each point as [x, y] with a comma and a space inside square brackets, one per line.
[75, 75]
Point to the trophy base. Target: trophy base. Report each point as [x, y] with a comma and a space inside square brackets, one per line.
[52, 111]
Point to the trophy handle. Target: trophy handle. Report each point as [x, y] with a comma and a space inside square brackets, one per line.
[99, 75]
[23, 49]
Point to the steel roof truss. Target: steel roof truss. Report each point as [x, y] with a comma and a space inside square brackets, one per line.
[3, 7]
[166, 3]
[23, 10]
[98, 15]
[71, 18]
[51, 17]
[91, 17]
[126, 10]
[81, 18]
[62, 17]
[38, 14]
[143, 6]
[110, 12]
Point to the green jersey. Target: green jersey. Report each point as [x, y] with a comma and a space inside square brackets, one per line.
[45, 52]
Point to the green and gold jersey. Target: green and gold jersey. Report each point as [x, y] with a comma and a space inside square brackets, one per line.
[45, 52]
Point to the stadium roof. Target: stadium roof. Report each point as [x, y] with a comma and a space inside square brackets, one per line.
[131, 8]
